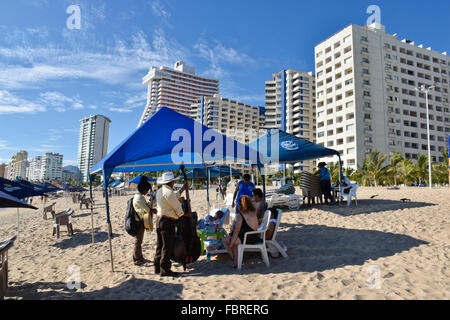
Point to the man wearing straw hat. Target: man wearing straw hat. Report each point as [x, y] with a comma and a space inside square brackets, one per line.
[169, 211]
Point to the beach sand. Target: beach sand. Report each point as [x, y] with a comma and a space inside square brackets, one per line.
[381, 249]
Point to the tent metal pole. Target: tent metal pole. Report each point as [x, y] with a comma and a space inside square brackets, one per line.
[263, 177]
[340, 175]
[207, 188]
[18, 224]
[92, 211]
[108, 220]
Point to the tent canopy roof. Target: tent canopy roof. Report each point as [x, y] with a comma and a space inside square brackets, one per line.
[167, 140]
[288, 148]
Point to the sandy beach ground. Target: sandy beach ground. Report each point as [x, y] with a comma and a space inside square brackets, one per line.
[381, 249]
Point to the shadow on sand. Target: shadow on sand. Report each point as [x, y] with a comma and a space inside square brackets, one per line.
[148, 290]
[316, 248]
[369, 206]
[80, 239]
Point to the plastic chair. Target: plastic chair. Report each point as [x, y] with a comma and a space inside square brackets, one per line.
[261, 246]
[62, 219]
[275, 247]
[351, 193]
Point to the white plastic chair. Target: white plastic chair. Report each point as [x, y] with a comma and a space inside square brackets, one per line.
[261, 246]
[275, 247]
[350, 194]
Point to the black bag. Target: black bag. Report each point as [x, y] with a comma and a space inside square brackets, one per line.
[131, 225]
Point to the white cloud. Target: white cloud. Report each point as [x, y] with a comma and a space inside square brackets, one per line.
[159, 10]
[218, 55]
[60, 101]
[117, 64]
[120, 110]
[9, 104]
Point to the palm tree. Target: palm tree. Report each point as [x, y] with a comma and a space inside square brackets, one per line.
[422, 167]
[441, 172]
[393, 170]
[375, 167]
[407, 170]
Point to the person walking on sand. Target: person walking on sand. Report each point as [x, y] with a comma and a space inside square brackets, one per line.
[145, 219]
[169, 211]
[325, 182]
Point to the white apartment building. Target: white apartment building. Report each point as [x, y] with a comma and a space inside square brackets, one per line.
[46, 168]
[176, 89]
[366, 97]
[290, 106]
[93, 143]
[18, 166]
[34, 169]
[51, 167]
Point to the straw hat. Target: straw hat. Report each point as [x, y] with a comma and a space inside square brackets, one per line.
[166, 178]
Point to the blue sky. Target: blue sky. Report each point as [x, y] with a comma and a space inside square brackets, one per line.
[52, 76]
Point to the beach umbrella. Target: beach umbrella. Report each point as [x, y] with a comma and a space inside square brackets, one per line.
[50, 187]
[8, 201]
[38, 188]
[17, 190]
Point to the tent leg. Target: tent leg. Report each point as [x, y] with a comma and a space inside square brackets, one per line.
[92, 212]
[108, 221]
[207, 189]
[18, 224]
[340, 175]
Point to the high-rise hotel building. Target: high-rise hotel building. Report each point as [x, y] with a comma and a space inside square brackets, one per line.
[290, 106]
[237, 120]
[366, 95]
[176, 89]
[93, 143]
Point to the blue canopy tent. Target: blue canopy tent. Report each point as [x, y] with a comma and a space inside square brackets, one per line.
[164, 142]
[279, 147]
[135, 181]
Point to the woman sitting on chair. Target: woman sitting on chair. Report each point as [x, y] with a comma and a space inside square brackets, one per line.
[246, 221]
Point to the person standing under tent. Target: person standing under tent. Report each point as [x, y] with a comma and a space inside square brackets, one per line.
[244, 188]
[145, 218]
[169, 211]
[325, 182]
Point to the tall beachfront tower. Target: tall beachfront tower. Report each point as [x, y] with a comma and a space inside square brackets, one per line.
[290, 106]
[176, 89]
[93, 143]
[366, 95]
